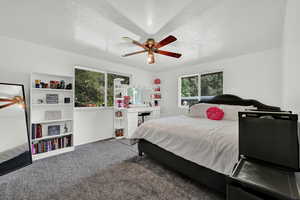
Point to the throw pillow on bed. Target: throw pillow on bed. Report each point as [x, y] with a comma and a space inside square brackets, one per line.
[215, 113]
[231, 111]
[199, 110]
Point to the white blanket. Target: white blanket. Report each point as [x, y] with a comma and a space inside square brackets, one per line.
[212, 144]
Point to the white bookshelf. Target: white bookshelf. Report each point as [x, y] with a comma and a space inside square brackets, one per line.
[51, 144]
[120, 90]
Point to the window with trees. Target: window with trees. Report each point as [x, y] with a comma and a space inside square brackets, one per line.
[95, 88]
[194, 87]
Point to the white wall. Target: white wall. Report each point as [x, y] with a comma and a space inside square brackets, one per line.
[291, 57]
[19, 58]
[257, 76]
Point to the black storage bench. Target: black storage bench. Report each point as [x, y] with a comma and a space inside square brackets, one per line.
[254, 180]
[268, 157]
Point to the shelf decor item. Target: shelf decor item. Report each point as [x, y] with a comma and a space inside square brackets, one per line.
[69, 86]
[52, 98]
[157, 81]
[66, 128]
[40, 101]
[54, 130]
[62, 84]
[126, 101]
[37, 83]
[67, 100]
[51, 120]
[119, 132]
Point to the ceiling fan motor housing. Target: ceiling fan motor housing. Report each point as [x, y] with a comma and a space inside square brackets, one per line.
[150, 43]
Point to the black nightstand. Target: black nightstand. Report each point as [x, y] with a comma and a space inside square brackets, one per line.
[254, 180]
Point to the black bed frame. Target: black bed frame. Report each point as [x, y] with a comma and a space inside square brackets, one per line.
[200, 174]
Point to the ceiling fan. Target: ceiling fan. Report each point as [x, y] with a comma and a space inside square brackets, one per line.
[151, 47]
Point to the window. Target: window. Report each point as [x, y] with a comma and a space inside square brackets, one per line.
[189, 90]
[194, 87]
[211, 84]
[89, 88]
[95, 88]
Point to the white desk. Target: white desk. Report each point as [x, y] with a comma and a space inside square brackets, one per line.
[131, 117]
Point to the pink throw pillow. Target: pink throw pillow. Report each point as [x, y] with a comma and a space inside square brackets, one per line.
[214, 113]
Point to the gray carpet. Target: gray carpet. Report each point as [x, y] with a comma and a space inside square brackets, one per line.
[104, 170]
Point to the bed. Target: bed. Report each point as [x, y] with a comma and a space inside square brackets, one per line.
[207, 161]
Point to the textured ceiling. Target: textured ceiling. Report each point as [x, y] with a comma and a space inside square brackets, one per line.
[206, 29]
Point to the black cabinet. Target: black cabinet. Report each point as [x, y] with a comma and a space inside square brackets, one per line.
[255, 180]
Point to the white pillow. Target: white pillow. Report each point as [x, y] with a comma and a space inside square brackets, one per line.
[231, 111]
[199, 110]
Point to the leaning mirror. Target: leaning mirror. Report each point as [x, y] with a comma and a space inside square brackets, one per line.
[14, 138]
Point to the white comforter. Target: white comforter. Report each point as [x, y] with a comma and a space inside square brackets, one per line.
[212, 144]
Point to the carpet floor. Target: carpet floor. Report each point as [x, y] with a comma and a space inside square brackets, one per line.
[103, 170]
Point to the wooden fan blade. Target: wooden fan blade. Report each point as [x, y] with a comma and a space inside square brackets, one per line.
[166, 41]
[6, 105]
[135, 42]
[6, 100]
[137, 52]
[167, 53]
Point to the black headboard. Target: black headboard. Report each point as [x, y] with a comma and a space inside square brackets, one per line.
[230, 99]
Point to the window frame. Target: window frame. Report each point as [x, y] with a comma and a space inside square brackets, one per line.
[105, 72]
[179, 97]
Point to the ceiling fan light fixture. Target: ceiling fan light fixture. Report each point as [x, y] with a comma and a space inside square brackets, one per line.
[151, 59]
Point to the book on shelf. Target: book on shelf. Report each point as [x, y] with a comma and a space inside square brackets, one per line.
[37, 131]
[51, 144]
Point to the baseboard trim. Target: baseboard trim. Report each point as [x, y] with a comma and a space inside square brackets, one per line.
[101, 140]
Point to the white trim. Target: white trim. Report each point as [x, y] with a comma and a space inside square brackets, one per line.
[93, 108]
[188, 75]
[88, 69]
[218, 69]
[105, 91]
[179, 92]
[103, 71]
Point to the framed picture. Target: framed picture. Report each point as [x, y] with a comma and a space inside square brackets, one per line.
[15, 151]
[52, 98]
[53, 130]
[53, 115]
